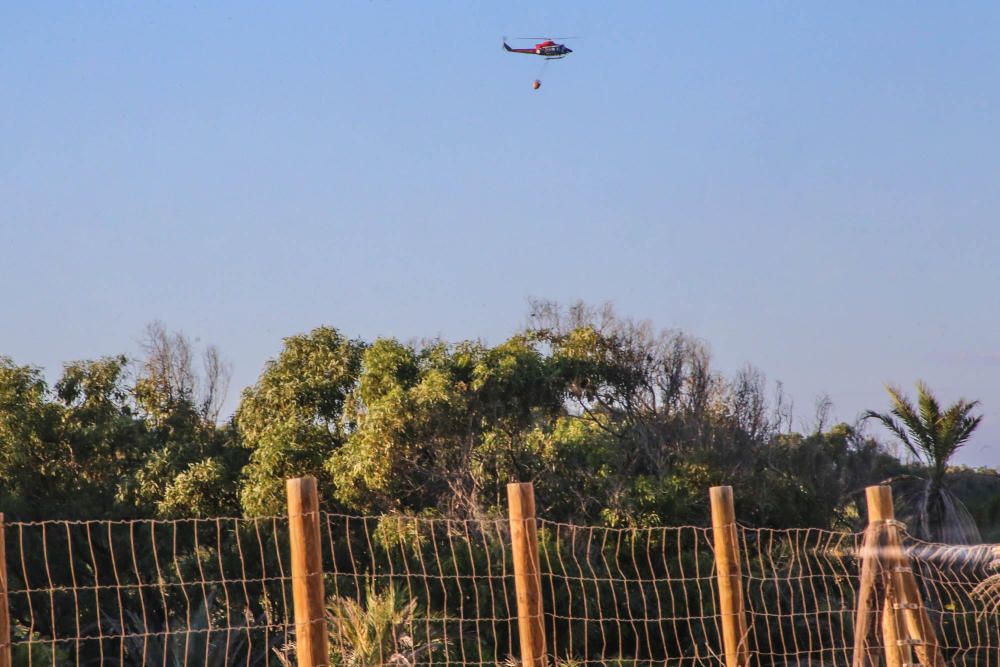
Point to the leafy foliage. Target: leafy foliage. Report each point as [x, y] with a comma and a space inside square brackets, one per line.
[98, 444]
[291, 419]
[932, 436]
[442, 426]
[616, 423]
[376, 633]
[198, 641]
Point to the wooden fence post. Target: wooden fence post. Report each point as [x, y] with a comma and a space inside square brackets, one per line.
[880, 510]
[5, 649]
[729, 573]
[908, 628]
[867, 599]
[896, 654]
[311, 641]
[527, 574]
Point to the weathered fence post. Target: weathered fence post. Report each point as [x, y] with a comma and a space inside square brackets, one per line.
[311, 641]
[880, 510]
[729, 573]
[909, 626]
[867, 599]
[896, 654]
[5, 651]
[527, 574]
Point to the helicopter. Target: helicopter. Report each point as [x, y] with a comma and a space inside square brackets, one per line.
[547, 48]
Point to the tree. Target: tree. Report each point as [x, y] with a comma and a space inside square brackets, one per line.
[100, 427]
[29, 426]
[653, 390]
[443, 427]
[70, 452]
[88, 447]
[813, 480]
[933, 436]
[670, 424]
[168, 383]
[193, 463]
[291, 420]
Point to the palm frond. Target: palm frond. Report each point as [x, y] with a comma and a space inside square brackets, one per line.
[922, 437]
[380, 632]
[897, 429]
[929, 408]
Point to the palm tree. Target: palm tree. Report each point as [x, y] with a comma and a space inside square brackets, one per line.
[932, 437]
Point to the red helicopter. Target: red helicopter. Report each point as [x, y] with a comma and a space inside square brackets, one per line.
[547, 48]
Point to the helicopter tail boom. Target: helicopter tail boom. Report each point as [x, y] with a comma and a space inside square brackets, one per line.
[508, 48]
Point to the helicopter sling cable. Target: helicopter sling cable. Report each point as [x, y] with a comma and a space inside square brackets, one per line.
[538, 77]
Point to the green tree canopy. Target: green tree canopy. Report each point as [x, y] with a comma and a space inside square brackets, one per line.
[443, 426]
[614, 421]
[292, 419]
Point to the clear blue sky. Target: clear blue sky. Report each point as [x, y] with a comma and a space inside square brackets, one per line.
[810, 188]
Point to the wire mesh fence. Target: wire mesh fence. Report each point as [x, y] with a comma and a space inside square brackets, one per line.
[410, 591]
[961, 608]
[188, 592]
[633, 596]
[801, 588]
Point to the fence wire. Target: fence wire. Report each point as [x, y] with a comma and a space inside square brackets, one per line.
[412, 591]
[629, 596]
[187, 592]
[801, 595]
[960, 589]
